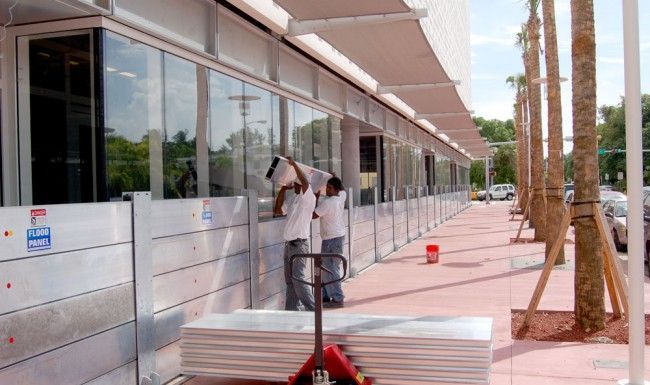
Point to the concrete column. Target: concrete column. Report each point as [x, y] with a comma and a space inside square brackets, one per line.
[351, 160]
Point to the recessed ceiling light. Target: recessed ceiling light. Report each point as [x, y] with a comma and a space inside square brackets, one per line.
[127, 74]
[110, 69]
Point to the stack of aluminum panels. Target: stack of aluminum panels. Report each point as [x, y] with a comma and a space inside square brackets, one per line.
[391, 350]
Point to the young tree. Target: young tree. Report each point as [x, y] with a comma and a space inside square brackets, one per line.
[555, 188]
[588, 282]
[537, 207]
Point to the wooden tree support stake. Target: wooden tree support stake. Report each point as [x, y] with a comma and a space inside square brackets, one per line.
[611, 261]
[523, 219]
[548, 267]
[518, 203]
[613, 272]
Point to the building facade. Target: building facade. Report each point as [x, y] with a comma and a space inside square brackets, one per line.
[181, 105]
[193, 99]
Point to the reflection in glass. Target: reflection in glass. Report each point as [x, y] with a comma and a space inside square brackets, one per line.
[181, 118]
[368, 172]
[261, 120]
[226, 137]
[60, 96]
[321, 141]
[335, 144]
[300, 134]
[132, 113]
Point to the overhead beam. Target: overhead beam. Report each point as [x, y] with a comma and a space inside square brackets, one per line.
[459, 130]
[303, 27]
[481, 140]
[415, 87]
[442, 114]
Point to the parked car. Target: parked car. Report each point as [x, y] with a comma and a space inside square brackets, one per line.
[568, 189]
[616, 215]
[502, 191]
[606, 195]
[480, 195]
[606, 187]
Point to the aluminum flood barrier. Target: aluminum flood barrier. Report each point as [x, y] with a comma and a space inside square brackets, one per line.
[95, 293]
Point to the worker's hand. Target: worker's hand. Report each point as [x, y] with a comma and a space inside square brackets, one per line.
[287, 187]
[291, 161]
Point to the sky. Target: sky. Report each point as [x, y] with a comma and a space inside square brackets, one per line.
[494, 25]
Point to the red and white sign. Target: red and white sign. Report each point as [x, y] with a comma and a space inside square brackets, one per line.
[38, 217]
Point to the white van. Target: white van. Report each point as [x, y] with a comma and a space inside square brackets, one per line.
[502, 191]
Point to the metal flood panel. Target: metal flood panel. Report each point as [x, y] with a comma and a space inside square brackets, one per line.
[168, 322]
[76, 363]
[363, 214]
[271, 258]
[168, 361]
[272, 283]
[270, 232]
[49, 278]
[124, 375]
[269, 344]
[422, 211]
[475, 331]
[43, 328]
[71, 227]
[180, 216]
[183, 285]
[364, 260]
[173, 253]
[385, 215]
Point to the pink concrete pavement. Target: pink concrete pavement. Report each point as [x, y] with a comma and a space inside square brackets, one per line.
[479, 274]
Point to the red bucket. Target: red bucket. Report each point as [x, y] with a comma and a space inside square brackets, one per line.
[432, 253]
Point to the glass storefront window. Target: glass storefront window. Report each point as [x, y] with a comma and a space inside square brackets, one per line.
[300, 133]
[57, 98]
[132, 116]
[335, 144]
[369, 168]
[181, 120]
[262, 143]
[226, 136]
[321, 141]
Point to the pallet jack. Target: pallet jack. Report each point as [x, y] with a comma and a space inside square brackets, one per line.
[327, 365]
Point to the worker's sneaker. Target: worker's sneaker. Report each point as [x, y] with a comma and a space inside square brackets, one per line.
[333, 304]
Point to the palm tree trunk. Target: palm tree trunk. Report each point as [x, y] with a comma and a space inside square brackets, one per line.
[588, 282]
[538, 207]
[518, 143]
[526, 139]
[522, 175]
[555, 187]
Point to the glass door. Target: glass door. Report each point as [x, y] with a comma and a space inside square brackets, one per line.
[57, 125]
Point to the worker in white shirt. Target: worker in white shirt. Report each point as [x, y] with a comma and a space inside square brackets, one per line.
[330, 210]
[298, 208]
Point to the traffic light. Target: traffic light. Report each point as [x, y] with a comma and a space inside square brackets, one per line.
[601, 151]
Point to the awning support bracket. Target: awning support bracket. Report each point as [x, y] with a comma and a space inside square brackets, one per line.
[304, 27]
[442, 114]
[415, 87]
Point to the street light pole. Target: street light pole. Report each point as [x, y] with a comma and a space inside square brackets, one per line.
[634, 165]
[487, 180]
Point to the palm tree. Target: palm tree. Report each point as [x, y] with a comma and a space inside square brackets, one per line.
[523, 43]
[537, 207]
[588, 282]
[555, 188]
[518, 83]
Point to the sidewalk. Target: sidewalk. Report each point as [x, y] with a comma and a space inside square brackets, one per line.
[481, 274]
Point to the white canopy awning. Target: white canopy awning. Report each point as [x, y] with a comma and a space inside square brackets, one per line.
[395, 54]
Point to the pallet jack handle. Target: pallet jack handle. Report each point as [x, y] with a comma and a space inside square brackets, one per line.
[318, 285]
